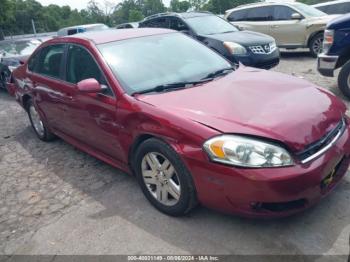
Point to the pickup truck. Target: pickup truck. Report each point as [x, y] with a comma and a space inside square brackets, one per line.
[336, 52]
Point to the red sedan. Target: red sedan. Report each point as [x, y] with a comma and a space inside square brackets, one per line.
[161, 105]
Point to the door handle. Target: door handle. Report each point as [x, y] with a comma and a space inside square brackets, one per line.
[275, 26]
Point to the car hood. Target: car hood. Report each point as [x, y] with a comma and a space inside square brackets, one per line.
[246, 38]
[257, 102]
[322, 20]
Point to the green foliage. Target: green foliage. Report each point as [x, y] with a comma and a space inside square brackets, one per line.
[179, 6]
[16, 15]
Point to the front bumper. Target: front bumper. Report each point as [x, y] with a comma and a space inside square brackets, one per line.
[326, 64]
[263, 61]
[270, 192]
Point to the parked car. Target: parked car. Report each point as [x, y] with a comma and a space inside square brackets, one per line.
[72, 30]
[12, 52]
[336, 52]
[187, 124]
[128, 25]
[334, 7]
[249, 48]
[292, 24]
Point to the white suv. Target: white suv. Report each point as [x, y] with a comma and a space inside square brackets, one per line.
[292, 24]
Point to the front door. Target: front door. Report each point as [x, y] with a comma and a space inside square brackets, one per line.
[287, 31]
[92, 117]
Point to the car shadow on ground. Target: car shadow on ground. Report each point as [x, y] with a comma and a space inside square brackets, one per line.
[315, 231]
[285, 54]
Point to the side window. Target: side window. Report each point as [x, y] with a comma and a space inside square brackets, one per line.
[161, 22]
[33, 61]
[178, 25]
[260, 14]
[240, 15]
[282, 13]
[50, 60]
[81, 65]
[341, 8]
[72, 31]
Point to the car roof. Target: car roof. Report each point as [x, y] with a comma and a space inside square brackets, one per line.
[112, 35]
[80, 26]
[331, 3]
[267, 3]
[183, 15]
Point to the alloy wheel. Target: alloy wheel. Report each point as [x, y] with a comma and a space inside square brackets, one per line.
[317, 45]
[161, 178]
[37, 123]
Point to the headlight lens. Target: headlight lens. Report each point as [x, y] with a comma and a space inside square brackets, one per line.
[246, 152]
[234, 48]
[327, 40]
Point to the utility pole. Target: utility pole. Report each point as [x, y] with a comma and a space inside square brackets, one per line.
[33, 25]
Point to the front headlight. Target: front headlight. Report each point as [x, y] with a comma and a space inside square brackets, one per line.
[234, 48]
[246, 152]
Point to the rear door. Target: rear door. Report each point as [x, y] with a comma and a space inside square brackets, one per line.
[287, 31]
[256, 19]
[45, 74]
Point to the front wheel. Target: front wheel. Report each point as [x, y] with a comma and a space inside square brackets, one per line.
[164, 179]
[38, 125]
[344, 80]
[316, 44]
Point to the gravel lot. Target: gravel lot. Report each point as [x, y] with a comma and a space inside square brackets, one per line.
[55, 199]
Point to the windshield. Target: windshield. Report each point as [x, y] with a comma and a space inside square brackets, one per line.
[146, 62]
[18, 48]
[210, 24]
[308, 10]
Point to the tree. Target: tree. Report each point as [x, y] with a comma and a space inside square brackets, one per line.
[151, 7]
[135, 15]
[179, 6]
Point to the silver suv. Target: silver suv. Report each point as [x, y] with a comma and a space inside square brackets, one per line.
[292, 24]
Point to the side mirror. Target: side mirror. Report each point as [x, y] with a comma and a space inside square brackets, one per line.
[22, 61]
[89, 86]
[296, 16]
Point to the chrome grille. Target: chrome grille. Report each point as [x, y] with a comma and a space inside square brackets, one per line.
[317, 148]
[263, 49]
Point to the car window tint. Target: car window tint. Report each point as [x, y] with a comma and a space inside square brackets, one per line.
[240, 15]
[283, 13]
[260, 14]
[158, 22]
[341, 8]
[81, 65]
[33, 61]
[50, 59]
[178, 25]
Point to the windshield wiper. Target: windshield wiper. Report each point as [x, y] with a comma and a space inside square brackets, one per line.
[220, 72]
[174, 86]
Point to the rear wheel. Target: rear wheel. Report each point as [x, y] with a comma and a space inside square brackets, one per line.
[344, 80]
[164, 179]
[38, 125]
[315, 44]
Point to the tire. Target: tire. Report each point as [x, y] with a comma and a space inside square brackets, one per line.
[315, 44]
[3, 82]
[344, 80]
[40, 129]
[180, 179]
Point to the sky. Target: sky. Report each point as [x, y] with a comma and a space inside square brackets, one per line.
[81, 4]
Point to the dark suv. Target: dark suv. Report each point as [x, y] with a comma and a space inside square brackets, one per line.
[249, 48]
[336, 52]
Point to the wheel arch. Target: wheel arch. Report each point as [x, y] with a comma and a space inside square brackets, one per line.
[311, 36]
[25, 99]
